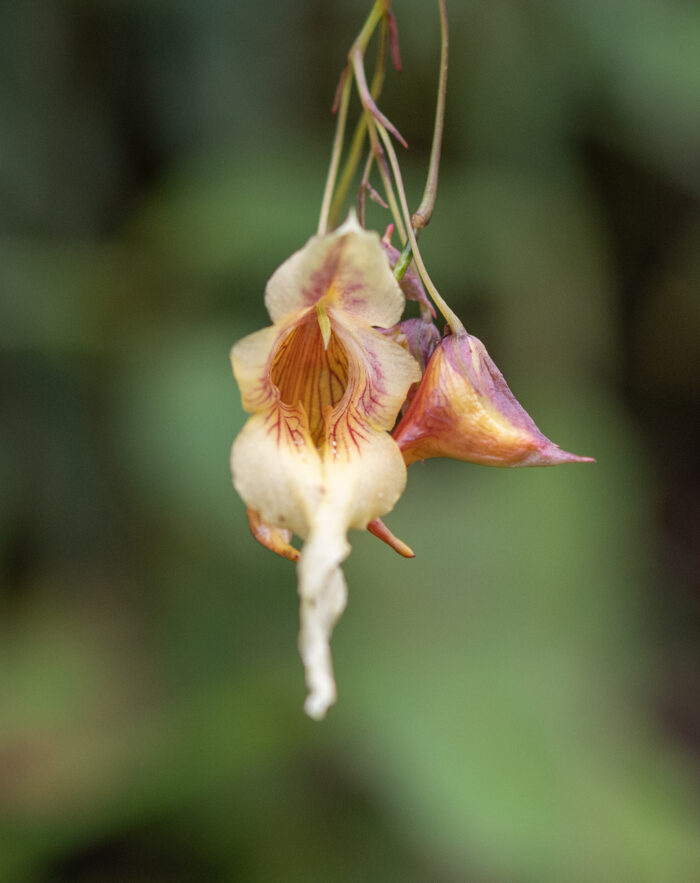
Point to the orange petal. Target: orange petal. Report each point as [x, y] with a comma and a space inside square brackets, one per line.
[382, 532]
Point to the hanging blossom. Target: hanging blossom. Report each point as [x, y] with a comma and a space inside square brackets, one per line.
[344, 394]
[324, 387]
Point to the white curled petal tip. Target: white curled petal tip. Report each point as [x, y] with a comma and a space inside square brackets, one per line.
[319, 614]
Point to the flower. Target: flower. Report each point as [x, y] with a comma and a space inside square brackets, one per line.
[325, 384]
[464, 409]
[324, 388]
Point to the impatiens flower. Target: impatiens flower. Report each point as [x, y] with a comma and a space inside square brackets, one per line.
[464, 409]
[324, 388]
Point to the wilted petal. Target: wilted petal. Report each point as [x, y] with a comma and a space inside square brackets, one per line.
[277, 469]
[358, 487]
[319, 613]
[464, 409]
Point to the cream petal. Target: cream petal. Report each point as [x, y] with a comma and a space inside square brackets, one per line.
[366, 478]
[277, 470]
[318, 616]
[292, 487]
[323, 595]
[250, 359]
[349, 266]
[387, 372]
[276, 467]
[358, 489]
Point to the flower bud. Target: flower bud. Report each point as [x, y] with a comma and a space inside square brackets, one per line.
[463, 409]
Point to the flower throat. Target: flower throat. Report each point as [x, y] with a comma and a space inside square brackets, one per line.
[310, 375]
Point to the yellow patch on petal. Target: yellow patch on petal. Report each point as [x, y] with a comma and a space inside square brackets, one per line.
[324, 323]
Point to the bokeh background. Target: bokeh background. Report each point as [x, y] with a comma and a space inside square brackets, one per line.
[520, 703]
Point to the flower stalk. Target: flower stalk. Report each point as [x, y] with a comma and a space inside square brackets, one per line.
[380, 129]
[330, 207]
[342, 111]
[421, 217]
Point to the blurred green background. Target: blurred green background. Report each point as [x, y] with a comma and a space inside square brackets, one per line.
[520, 703]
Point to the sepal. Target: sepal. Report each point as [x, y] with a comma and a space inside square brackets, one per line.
[275, 539]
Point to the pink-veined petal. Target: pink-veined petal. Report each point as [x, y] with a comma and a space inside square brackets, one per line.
[348, 268]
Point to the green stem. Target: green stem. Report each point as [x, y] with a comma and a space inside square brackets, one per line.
[385, 176]
[336, 152]
[376, 15]
[358, 139]
[362, 192]
[421, 217]
[349, 169]
[452, 319]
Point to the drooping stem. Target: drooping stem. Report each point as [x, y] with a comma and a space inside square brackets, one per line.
[375, 120]
[368, 103]
[349, 168]
[380, 130]
[343, 104]
[377, 14]
[359, 135]
[362, 192]
[452, 319]
[366, 190]
[421, 217]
